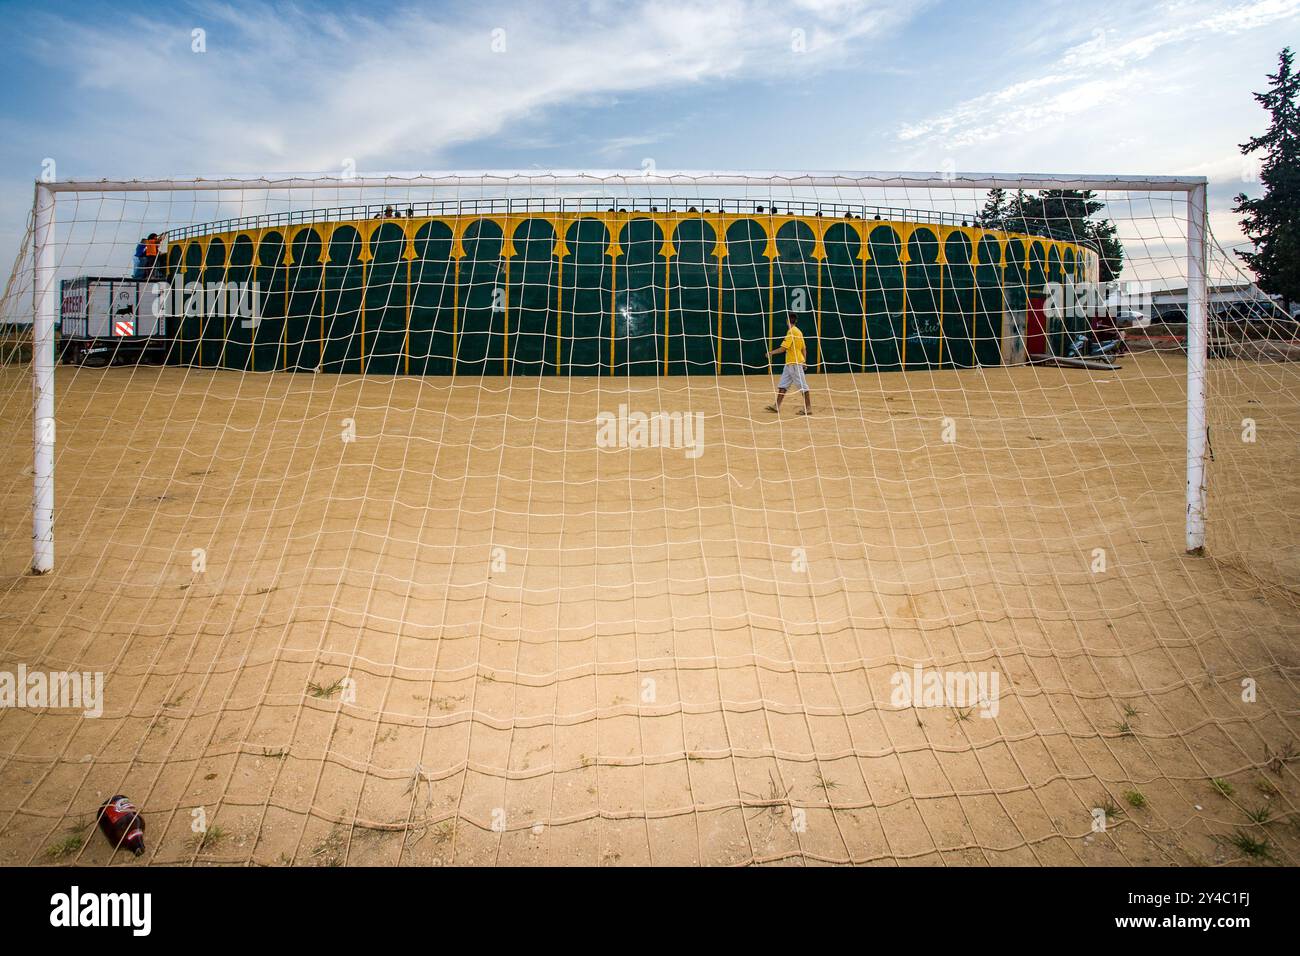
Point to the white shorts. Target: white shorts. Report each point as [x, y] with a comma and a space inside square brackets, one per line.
[792, 377]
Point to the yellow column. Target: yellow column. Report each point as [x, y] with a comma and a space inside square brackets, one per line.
[771, 309]
[771, 252]
[667, 250]
[561, 252]
[717, 353]
[612, 252]
[225, 313]
[455, 317]
[180, 329]
[668, 273]
[406, 339]
[505, 354]
[284, 326]
[559, 315]
[902, 352]
[364, 283]
[864, 256]
[818, 323]
[320, 359]
[252, 333]
[974, 299]
[943, 275]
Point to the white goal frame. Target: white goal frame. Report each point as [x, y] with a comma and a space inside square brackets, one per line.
[43, 293]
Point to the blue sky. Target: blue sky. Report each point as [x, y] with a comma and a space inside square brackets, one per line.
[108, 90]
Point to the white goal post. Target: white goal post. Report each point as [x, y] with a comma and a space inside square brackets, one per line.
[44, 290]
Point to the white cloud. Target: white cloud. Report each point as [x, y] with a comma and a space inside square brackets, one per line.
[1102, 72]
[287, 88]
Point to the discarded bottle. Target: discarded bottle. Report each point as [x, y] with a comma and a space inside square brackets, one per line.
[122, 824]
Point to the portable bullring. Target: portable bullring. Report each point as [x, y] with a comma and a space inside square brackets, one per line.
[595, 287]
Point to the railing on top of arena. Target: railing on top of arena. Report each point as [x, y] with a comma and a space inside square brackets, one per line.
[585, 204]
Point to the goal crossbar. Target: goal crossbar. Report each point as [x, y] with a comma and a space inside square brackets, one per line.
[653, 177]
[43, 288]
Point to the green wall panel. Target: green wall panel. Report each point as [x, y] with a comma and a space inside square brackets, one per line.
[744, 300]
[268, 329]
[533, 277]
[843, 333]
[958, 303]
[481, 343]
[303, 333]
[238, 331]
[923, 278]
[176, 346]
[213, 326]
[884, 282]
[795, 287]
[694, 290]
[990, 303]
[639, 300]
[191, 321]
[584, 299]
[433, 301]
[385, 300]
[1014, 279]
[344, 287]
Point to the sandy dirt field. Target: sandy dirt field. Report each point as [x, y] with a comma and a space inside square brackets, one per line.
[393, 621]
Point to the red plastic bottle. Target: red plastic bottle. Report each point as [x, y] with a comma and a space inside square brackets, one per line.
[122, 824]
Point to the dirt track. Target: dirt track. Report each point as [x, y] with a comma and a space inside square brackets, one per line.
[631, 655]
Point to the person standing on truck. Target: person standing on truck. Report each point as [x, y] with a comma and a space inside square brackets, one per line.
[151, 256]
[140, 262]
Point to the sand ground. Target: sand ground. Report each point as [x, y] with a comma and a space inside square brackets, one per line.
[436, 624]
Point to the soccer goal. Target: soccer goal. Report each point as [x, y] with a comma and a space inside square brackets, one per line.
[475, 516]
[633, 194]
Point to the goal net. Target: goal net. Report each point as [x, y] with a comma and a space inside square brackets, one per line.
[444, 519]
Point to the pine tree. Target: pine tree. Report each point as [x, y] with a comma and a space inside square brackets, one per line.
[994, 213]
[1272, 222]
[1015, 217]
[1071, 215]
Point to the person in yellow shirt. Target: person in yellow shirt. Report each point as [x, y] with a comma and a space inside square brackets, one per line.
[796, 354]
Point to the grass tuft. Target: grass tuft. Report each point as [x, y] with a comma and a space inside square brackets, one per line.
[209, 839]
[324, 691]
[1135, 799]
[1251, 846]
[66, 847]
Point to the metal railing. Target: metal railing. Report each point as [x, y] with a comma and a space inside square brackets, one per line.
[593, 204]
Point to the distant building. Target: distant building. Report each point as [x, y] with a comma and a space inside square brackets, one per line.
[1242, 298]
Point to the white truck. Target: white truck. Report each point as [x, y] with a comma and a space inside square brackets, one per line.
[111, 321]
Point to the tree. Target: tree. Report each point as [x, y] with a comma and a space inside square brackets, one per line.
[1272, 222]
[1071, 215]
[994, 213]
